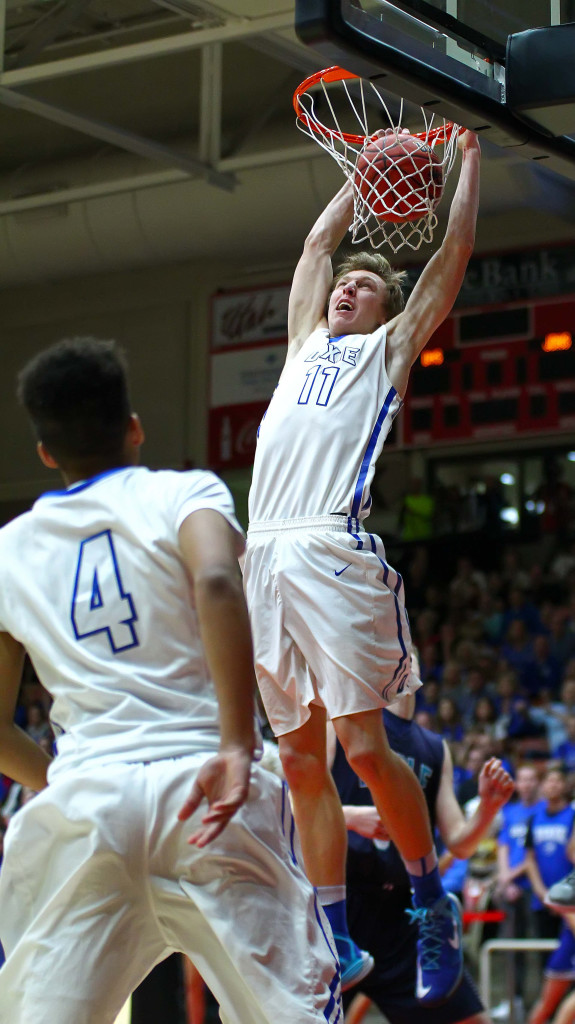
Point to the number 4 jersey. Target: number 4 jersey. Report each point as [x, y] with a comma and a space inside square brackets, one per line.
[324, 429]
[93, 585]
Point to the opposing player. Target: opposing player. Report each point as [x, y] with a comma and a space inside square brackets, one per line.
[378, 885]
[125, 591]
[330, 628]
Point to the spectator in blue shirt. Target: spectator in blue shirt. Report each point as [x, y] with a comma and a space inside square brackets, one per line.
[520, 609]
[517, 648]
[561, 639]
[565, 752]
[543, 671]
[513, 889]
[553, 715]
[550, 845]
[448, 720]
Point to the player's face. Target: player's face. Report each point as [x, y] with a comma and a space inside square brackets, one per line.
[357, 304]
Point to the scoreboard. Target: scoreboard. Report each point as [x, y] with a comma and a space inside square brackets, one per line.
[496, 373]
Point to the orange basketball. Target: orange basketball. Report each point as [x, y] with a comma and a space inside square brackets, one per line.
[399, 177]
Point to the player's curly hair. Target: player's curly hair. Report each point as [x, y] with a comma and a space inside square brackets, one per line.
[377, 264]
[76, 394]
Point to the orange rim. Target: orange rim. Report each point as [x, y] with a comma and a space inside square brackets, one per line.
[337, 74]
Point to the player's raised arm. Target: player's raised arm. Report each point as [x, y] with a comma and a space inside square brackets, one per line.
[21, 758]
[462, 835]
[313, 274]
[209, 547]
[438, 286]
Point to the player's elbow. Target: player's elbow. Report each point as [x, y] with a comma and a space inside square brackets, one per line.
[459, 244]
[318, 243]
[460, 850]
[219, 582]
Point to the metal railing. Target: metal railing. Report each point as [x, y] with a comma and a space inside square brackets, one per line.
[507, 946]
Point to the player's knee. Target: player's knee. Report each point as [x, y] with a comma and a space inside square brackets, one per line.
[303, 771]
[366, 761]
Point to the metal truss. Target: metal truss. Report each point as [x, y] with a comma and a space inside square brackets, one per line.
[36, 62]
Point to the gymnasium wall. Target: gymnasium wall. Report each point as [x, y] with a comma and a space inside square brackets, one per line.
[160, 317]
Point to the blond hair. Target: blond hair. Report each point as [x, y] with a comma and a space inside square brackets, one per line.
[376, 264]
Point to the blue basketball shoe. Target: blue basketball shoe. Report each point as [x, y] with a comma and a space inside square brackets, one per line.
[439, 949]
[355, 963]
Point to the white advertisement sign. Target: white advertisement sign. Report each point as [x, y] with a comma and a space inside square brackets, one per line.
[248, 376]
[246, 318]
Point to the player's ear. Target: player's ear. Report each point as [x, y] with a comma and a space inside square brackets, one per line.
[45, 456]
[135, 433]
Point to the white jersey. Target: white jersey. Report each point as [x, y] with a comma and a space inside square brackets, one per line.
[92, 583]
[324, 430]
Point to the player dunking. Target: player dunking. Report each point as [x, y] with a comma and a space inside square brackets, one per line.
[124, 589]
[330, 629]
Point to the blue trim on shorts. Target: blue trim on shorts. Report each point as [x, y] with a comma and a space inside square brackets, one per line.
[292, 839]
[396, 591]
[286, 810]
[366, 461]
[336, 980]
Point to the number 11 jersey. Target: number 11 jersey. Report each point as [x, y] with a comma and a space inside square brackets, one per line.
[324, 430]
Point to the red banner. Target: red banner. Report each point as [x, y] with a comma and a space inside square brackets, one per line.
[233, 433]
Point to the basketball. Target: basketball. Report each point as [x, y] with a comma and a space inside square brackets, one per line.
[399, 177]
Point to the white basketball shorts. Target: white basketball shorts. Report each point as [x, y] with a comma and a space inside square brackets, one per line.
[99, 884]
[328, 619]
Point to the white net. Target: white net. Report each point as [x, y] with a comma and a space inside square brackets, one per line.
[397, 177]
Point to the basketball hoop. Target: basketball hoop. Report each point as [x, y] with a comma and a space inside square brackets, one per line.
[397, 178]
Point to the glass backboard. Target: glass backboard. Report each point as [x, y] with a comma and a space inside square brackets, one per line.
[481, 63]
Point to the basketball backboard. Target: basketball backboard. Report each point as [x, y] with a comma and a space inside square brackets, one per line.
[503, 68]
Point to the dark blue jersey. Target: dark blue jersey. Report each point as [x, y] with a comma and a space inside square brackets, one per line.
[371, 864]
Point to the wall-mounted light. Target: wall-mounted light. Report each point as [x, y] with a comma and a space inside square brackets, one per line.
[432, 357]
[558, 342]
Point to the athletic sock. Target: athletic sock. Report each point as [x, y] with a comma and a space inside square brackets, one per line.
[332, 899]
[425, 879]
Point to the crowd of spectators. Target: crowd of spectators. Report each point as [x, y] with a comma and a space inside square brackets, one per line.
[497, 653]
[497, 657]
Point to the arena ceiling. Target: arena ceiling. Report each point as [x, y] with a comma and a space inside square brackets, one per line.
[103, 99]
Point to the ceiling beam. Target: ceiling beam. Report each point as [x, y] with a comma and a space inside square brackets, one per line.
[235, 30]
[211, 104]
[47, 29]
[2, 33]
[118, 137]
[60, 195]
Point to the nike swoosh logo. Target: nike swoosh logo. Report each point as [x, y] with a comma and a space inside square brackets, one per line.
[420, 989]
[454, 942]
[338, 572]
